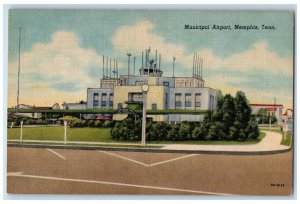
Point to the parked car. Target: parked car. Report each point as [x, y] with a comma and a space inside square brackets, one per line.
[103, 118]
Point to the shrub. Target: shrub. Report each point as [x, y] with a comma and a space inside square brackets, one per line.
[108, 123]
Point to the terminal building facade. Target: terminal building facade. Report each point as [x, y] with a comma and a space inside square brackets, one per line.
[165, 93]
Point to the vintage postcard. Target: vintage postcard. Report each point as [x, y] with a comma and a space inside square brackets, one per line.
[150, 102]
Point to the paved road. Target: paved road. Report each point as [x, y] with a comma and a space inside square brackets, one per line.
[65, 171]
[270, 142]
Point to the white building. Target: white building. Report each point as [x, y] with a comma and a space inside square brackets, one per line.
[165, 93]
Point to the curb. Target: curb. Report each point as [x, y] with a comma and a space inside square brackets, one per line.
[129, 149]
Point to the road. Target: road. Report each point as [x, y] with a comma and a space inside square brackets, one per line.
[65, 171]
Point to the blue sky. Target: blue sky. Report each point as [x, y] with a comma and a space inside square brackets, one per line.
[92, 33]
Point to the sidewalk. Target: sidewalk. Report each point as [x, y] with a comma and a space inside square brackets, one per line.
[271, 142]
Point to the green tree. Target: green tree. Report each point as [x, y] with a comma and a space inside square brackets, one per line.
[242, 115]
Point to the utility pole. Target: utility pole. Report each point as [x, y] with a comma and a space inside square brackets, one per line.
[128, 54]
[19, 69]
[103, 69]
[134, 66]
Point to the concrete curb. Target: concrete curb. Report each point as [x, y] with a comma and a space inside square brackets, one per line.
[132, 149]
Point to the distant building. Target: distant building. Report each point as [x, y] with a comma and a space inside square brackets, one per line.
[36, 115]
[74, 106]
[165, 93]
[271, 109]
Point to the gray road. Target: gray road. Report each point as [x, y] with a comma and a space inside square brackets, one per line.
[63, 171]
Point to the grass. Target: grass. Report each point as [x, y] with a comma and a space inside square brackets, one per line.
[277, 129]
[57, 134]
[100, 135]
[98, 145]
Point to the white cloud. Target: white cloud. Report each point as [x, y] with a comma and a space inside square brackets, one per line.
[138, 37]
[258, 58]
[141, 35]
[60, 61]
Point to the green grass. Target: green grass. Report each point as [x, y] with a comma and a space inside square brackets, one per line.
[57, 134]
[277, 129]
[100, 135]
[98, 145]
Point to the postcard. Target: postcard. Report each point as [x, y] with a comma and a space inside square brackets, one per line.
[150, 102]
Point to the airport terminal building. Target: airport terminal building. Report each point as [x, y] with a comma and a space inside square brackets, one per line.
[165, 93]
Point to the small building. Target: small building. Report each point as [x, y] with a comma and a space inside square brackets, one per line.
[271, 109]
[165, 93]
[36, 115]
[74, 106]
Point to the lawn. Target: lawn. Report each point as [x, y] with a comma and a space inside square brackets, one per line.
[99, 135]
[57, 134]
[288, 140]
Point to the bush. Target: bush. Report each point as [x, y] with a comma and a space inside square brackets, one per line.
[200, 132]
[108, 123]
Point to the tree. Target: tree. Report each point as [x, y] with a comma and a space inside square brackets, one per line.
[262, 113]
[242, 115]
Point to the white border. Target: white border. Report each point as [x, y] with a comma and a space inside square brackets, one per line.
[261, 5]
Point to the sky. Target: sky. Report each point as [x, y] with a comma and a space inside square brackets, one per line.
[62, 51]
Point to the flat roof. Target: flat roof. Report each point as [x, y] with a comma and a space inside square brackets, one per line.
[259, 104]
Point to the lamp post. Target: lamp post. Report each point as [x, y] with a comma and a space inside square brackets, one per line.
[21, 133]
[65, 132]
[145, 89]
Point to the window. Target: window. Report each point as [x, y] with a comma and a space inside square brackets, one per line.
[166, 101]
[138, 83]
[111, 100]
[177, 100]
[211, 102]
[96, 96]
[154, 106]
[134, 97]
[120, 106]
[188, 100]
[166, 83]
[197, 100]
[96, 100]
[103, 100]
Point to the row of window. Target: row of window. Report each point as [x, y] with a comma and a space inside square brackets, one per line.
[187, 100]
[102, 101]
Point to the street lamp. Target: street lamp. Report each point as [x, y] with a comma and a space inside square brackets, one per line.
[145, 89]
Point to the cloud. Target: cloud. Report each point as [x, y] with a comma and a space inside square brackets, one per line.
[138, 37]
[258, 60]
[141, 35]
[54, 72]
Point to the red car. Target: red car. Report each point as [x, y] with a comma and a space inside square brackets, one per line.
[103, 118]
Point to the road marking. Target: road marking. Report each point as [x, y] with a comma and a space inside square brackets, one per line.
[170, 160]
[14, 173]
[119, 184]
[147, 165]
[141, 163]
[60, 156]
